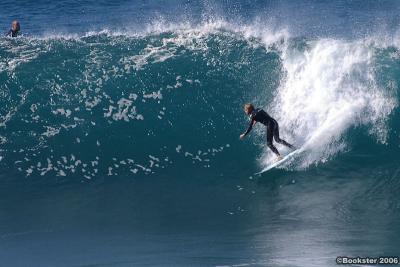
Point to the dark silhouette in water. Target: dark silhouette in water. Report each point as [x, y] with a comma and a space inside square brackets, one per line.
[15, 28]
[259, 115]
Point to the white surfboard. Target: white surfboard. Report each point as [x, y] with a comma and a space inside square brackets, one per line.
[280, 162]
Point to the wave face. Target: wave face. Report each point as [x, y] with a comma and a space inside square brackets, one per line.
[170, 100]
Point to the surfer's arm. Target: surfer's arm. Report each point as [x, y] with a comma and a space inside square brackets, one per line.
[252, 122]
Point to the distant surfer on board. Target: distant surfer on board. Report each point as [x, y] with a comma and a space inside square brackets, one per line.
[259, 115]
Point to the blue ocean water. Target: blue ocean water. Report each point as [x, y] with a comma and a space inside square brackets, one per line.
[120, 124]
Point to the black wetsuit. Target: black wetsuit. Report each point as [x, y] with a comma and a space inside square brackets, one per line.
[12, 33]
[261, 116]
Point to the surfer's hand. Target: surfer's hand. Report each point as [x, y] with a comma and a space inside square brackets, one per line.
[241, 136]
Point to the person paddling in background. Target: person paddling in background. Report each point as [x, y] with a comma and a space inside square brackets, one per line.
[15, 28]
[259, 115]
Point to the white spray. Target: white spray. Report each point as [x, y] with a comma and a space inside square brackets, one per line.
[329, 88]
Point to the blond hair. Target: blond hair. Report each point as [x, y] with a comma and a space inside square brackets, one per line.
[249, 106]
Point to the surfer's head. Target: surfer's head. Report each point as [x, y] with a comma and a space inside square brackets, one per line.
[248, 108]
[15, 26]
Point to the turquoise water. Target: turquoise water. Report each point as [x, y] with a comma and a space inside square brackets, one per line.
[119, 145]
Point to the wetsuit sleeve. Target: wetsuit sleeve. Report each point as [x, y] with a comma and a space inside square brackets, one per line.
[250, 126]
[8, 33]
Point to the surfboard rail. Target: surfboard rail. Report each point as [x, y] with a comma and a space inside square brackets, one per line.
[279, 162]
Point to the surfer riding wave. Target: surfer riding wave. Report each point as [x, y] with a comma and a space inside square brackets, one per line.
[259, 115]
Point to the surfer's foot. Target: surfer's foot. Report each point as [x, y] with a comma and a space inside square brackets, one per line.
[278, 158]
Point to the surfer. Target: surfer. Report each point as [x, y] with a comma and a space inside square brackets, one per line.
[259, 115]
[15, 28]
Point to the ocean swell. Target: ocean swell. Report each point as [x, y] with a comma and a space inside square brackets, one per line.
[109, 104]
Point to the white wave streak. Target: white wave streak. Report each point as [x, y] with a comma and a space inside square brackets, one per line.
[328, 89]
